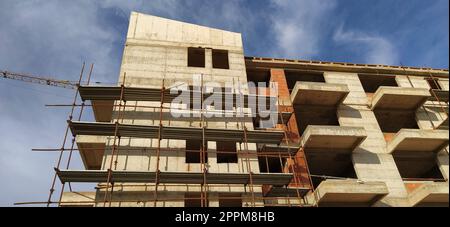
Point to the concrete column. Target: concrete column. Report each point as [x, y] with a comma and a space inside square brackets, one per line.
[370, 159]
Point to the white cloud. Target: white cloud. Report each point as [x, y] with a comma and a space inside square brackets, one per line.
[49, 38]
[299, 26]
[374, 49]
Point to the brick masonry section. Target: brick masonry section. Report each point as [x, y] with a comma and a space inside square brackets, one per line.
[300, 165]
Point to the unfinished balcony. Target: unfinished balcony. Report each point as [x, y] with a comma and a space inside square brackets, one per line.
[92, 149]
[316, 103]
[399, 98]
[395, 108]
[334, 139]
[349, 193]
[418, 141]
[329, 150]
[319, 94]
[415, 153]
[430, 195]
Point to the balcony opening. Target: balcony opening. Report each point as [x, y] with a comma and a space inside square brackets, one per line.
[259, 76]
[230, 200]
[226, 152]
[196, 57]
[293, 76]
[371, 82]
[193, 154]
[220, 59]
[418, 166]
[271, 164]
[315, 115]
[392, 121]
[326, 165]
[434, 84]
[192, 199]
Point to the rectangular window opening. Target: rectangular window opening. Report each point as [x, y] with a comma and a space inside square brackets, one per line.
[230, 200]
[325, 166]
[192, 199]
[391, 121]
[418, 167]
[226, 152]
[434, 84]
[371, 82]
[315, 115]
[193, 153]
[220, 59]
[271, 164]
[293, 76]
[196, 57]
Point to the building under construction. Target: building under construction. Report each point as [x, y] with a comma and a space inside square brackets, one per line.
[344, 134]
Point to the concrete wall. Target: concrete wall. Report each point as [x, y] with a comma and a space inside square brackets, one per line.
[370, 159]
[157, 49]
[430, 115]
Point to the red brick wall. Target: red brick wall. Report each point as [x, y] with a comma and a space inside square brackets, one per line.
[277, 75]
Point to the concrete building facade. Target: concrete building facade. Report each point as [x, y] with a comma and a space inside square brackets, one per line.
[346, 134]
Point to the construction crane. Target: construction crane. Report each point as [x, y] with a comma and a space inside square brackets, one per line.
[39, 80]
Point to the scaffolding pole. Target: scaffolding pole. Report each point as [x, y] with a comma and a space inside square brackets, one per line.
[52, 188]
[73, 139]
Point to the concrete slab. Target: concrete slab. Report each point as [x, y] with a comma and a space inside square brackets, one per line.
[293, 192]
[444, 125]
[430, 194]
[416, 140]
[332, 138]
[101, 176]
[321, 94]
[178, 133]
[78, 199]
[350, 193]
[102, 110]
[399, 98]
[91, 150]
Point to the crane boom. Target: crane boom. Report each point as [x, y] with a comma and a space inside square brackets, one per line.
[39, 80]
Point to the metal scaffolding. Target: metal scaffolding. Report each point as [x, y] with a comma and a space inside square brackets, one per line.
[285, 185]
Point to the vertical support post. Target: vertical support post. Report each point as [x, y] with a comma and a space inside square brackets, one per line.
[73, 138]
[246, 146]
[204, 187]
[52, 188]
[158, 149]
[114, 148]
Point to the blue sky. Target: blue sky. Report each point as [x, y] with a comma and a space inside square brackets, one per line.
[52, 38]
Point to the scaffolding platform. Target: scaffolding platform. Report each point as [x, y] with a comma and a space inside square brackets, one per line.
[289, 192]
[270, 148]
[154, 95]
[175, 133]
[101, 176]
[102, 99]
